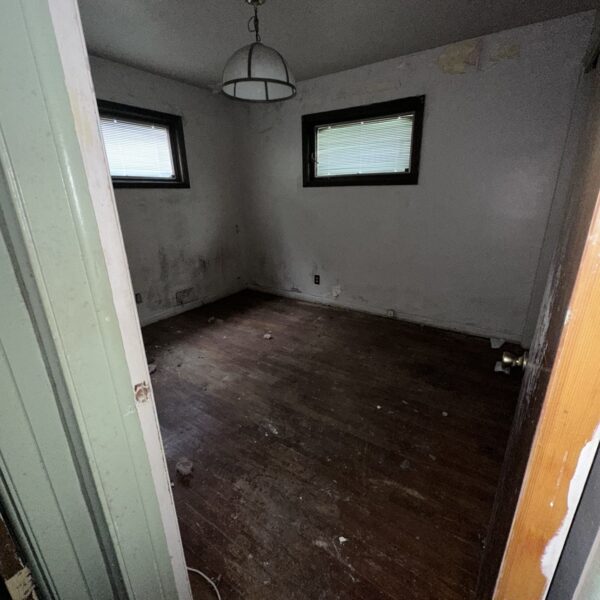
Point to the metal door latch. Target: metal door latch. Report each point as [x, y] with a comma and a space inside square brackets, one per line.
[512, 360]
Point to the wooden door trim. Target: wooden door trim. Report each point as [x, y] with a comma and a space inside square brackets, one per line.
[568, 430]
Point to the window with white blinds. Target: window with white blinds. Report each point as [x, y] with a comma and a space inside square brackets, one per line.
[137, 149]
[376, 144]
[145, 148]
[379, 145]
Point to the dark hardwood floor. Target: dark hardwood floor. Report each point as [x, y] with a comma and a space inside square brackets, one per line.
[350, 456]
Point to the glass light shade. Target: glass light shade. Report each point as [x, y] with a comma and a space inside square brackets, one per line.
[258, 73]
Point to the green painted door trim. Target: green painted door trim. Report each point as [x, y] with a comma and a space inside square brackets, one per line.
[69, 341]
[39, 483]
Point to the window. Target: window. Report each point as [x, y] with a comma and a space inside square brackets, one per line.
[145, 148]
[378, 144]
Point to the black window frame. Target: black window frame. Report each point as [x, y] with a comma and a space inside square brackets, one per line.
[174, 125]
[413, 104]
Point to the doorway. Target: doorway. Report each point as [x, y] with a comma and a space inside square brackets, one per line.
[289, 385]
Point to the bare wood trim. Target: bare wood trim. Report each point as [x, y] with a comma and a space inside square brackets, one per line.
[566, 439]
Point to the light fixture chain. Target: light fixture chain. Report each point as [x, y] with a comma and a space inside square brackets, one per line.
[253, 25]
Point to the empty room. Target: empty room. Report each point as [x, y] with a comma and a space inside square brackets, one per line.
[302, 300]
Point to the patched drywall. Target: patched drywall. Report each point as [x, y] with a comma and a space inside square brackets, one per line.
[457, 58]
[459, 250]
[185, 247]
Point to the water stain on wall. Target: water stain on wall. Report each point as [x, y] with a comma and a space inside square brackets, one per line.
[458, 57]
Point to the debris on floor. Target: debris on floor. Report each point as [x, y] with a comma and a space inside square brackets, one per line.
[184, 469]
[272, 429]
[276, 428]
[268, 336]
[211, 320]
[151, 367]
[500, 367]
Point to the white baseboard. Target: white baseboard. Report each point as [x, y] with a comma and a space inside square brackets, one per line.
[382, 312]
[335, 303]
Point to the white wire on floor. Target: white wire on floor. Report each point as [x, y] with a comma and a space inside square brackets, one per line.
[208, 579]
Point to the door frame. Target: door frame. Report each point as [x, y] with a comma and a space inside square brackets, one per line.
[556, 430]
[55, 58]
[78, 80]
[73, 294]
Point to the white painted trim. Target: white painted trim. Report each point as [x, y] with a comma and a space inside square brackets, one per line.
[382, 312]
[72, 49]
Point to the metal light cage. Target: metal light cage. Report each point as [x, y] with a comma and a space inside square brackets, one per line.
[257, 73]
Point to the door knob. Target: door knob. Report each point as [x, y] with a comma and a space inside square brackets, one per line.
[512, 360]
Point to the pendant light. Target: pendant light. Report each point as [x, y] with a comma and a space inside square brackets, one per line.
[257, 73]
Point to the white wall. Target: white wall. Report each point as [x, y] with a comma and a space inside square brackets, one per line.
[467, 249]
[461, 249]
[562, 194]
[181, 238]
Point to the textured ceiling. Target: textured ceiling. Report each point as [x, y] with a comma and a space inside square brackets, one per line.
[191, 40]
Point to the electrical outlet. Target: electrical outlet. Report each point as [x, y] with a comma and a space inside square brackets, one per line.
[391, 313]
[138, 298]
[317, 280]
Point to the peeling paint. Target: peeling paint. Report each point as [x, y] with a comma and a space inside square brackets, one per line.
[141, 391]
[456, 58]
[20, 586]
[555, 546]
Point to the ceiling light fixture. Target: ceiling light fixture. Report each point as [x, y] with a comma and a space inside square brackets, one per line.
[257, 73]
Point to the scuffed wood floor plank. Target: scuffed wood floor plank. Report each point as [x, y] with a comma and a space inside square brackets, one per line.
[350, 456]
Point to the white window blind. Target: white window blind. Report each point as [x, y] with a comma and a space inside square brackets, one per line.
[136, 149]
[373, 146]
